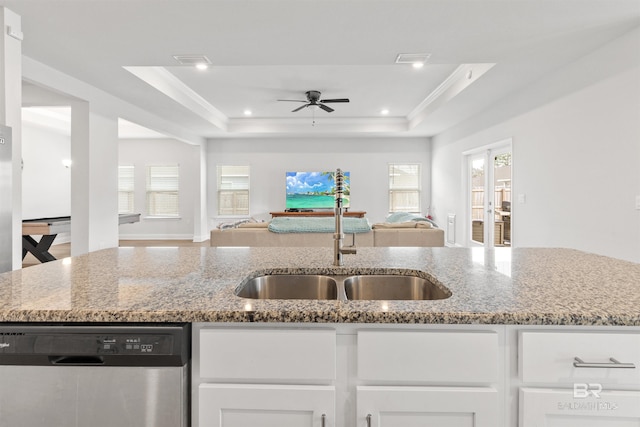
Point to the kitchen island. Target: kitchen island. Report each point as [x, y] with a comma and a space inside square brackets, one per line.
[507, 348]
[501, 286]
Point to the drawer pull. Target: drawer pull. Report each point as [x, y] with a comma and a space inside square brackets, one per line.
[579, 363]
[368, 420]
[324, 417]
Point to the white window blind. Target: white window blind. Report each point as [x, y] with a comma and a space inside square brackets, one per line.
[404, 187]
[163, 186]
[125, 189]
[233, 190]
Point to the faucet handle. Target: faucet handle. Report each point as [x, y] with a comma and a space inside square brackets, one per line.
[339, 181]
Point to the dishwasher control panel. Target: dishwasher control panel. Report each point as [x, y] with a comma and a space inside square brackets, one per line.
[95, 345]
[140, 344]
[86, 343]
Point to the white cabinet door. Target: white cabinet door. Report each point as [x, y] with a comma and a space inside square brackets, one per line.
[541, 407]
[247, 405]
[427, 406]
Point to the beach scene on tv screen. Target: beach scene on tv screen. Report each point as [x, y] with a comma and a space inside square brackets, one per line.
[315, 190]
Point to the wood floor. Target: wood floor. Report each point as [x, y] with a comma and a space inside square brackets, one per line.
[63, 250]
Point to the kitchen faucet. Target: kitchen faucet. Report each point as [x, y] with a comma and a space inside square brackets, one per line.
[338, 236]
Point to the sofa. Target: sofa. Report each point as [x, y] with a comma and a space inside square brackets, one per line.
[406, 233]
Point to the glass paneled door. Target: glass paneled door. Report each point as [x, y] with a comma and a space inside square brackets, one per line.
[490, 197]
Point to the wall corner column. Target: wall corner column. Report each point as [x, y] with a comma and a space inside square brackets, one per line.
[94, 180]
[201, 222]
[11, 115]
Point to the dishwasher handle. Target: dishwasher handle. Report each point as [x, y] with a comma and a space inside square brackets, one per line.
[76, 360]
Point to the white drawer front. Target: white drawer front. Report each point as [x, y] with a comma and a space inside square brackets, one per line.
[417, 356]
[558, 407]
[269, 355]
[548, 357]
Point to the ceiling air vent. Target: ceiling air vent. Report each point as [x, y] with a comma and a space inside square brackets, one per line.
[192, 59]
[412, 58]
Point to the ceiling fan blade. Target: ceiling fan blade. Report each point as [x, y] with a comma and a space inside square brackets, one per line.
[300, 108]
[336, 100]
[291, 100]
[325, 108]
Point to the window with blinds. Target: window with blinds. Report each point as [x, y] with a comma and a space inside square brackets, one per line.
[404, 187]
[125, 189]
[233, 190]
[163, 186]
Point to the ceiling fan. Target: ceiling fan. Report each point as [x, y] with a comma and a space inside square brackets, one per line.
[313, 98]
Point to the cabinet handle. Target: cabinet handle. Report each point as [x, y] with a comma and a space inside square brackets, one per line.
[579, 363]
[368, 420]
[324, 417]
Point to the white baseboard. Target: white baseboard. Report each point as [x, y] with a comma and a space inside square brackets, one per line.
[156, 237]
[455, 245]
[200, 239]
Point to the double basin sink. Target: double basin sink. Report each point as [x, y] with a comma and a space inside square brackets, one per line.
[342, 287]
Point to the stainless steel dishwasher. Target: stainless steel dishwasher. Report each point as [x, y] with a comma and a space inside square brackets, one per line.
[94, 376]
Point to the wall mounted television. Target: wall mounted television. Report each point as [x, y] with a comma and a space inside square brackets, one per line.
[315, 190]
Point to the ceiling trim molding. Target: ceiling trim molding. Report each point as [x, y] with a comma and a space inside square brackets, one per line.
[328, 125]
[164, 81]
[461, 78]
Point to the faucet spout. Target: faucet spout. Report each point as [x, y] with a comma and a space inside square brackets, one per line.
[338, 236]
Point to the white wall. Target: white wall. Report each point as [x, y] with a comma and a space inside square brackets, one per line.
[366, 159]
[94, 193]
[148, 152]
[46, 182]
[575, 158]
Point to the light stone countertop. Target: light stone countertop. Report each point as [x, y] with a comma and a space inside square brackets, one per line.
[196, 284]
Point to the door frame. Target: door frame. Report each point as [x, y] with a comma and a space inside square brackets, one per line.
[489, 150]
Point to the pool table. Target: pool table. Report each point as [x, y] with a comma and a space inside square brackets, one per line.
[49, 228]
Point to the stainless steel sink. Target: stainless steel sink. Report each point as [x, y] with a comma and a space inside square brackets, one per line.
[392, 287]
[289, 286]
[341, 287]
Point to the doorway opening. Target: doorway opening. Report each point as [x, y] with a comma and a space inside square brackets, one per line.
[489, 196]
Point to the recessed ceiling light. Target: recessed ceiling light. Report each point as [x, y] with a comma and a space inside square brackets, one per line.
[413, 59]
[384, 111]
[247, 112]
[202, 66]
[195, 60]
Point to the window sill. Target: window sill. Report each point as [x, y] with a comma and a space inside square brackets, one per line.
[161, 217]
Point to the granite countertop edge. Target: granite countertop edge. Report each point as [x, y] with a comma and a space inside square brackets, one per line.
[196, 316]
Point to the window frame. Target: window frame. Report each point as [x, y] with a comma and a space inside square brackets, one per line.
[234, 198]
[406, 189]
[151, 193]
[130, 194]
